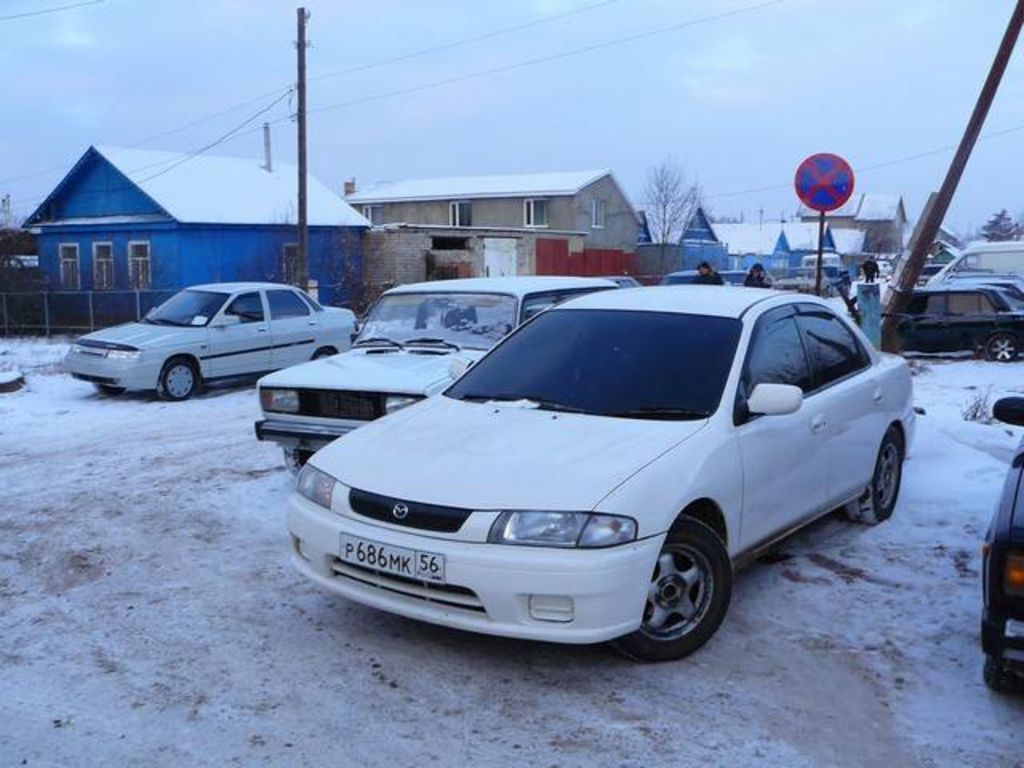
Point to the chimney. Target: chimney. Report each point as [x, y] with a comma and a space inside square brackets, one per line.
[350, 186]
[267, 165]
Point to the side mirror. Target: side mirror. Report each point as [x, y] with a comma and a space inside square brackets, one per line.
[775, 399]
[1010, 410]
[458, 366]
[225, 320]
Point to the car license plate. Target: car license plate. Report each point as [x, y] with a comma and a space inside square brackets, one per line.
[411, 563]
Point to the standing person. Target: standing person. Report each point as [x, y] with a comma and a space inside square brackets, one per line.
[757, 277]
[706, 275]
[870, 268]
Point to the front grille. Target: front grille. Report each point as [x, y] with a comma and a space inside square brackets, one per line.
[412, 514]
[449, 595]
[335, 404]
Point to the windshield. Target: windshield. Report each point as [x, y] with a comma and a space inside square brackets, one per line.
[187, 308]
[679, 278]
[477, 320]
[655, 365]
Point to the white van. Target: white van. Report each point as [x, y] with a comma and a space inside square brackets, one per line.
[983, 259]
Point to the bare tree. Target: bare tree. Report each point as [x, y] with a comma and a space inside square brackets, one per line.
[670, 202]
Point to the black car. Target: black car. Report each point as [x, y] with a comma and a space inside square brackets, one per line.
[984, 319]
[1002, 623]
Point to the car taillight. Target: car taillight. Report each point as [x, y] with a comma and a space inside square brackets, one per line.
[1013, 581]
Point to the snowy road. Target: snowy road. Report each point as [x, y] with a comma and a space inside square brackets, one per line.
[149, 616]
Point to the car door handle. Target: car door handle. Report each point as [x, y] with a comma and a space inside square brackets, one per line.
[879, 396]
[312, 322]
[261, 329]
[818, 424]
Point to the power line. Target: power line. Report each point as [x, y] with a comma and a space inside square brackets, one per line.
[551, 57]
[460, 43]
[332, 74]
[25, 15]
[875, 167]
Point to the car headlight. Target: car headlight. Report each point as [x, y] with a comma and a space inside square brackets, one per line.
[561, 529]
[280, 400]
[123, 354]
[1013, 579]
[316, 486]
[394, 403]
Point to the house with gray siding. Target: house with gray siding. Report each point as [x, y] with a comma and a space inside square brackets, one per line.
[546, 223]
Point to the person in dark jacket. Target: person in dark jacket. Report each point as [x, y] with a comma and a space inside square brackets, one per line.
[757, 277]
[706, 275]
[870, 269]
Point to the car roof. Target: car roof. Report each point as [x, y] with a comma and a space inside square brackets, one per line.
[233, 287]
[517, 286]
[959, 286]
[682, 273]
[714, 300]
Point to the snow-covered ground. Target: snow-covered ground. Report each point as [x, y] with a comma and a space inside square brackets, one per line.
[149, 616]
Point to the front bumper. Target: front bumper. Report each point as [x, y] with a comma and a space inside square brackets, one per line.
[1003, 638]
[304, 436]
[491, 588]
[138, 374]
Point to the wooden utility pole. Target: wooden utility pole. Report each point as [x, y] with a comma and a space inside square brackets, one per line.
[934, 217]
[302, 267]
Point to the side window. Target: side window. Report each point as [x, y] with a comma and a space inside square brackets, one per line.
[964, 303]
[917, 305]
[936, 304]
[248, 307]
[832, 348]
[985, 305]
[536, 303]
[776, 354]
[286, 304]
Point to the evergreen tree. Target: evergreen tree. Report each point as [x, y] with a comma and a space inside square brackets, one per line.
[1001, 227]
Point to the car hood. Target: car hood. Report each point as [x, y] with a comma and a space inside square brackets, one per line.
[498, 456]
[372, 370]
[145, 335]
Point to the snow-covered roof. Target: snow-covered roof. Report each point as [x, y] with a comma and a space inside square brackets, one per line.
[869, 206]
[742, 239]
[848, 241]
[801, 235]
[209, 189]
[455, 187]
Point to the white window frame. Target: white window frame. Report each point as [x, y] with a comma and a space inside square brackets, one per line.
[78, 266]
[96, 260]
[454, 219]
[597, 213]
[530, 212]
[373, 212]
[133, 276]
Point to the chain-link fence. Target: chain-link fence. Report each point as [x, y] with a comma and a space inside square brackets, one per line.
[49, 312]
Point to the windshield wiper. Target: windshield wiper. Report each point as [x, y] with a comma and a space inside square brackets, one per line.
[434, 340]
[377, 340]
[668, 414]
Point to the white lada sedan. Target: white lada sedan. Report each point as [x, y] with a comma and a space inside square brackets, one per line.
[208, 332]
[598, 475]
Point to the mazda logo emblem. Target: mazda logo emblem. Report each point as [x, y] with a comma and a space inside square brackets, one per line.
[400, 511]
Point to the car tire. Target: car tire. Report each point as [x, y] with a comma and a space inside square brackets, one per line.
[295, 459]
[109, 390]
[1000, 679]
[179, 379]
[688, 596]
[1002, 348]
[324, 352]
[878, 501]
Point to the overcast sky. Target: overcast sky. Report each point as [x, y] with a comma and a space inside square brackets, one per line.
[739, 99]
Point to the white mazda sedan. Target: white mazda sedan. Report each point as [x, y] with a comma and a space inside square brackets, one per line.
[599, 474]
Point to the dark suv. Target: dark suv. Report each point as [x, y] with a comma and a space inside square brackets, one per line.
[980, 318]
[1002, 623]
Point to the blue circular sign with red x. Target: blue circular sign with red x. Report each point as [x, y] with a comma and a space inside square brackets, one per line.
[824, 182]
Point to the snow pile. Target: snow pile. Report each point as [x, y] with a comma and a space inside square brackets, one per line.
[150, 617]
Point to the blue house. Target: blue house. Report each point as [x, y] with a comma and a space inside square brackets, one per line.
[701, 243]
[138, 220]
